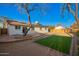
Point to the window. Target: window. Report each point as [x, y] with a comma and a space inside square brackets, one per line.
[17, 27]
[45, 28]
[40, 28]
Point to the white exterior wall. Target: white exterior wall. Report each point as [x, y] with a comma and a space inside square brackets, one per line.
[45, 29]
[13, 31]
[1, 24]
[41, 30]
[37, 29]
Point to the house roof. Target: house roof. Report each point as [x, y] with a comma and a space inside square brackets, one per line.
[59, 27]
[37, 25]
[12, 22]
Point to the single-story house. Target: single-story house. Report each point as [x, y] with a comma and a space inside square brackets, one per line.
[59, 29]
[14, 27]
[39, 28]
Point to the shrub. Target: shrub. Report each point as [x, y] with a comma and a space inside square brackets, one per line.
[77, 33]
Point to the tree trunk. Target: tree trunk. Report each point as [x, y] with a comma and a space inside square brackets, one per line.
[74, 45]
[74, 49]
[29, 21]
[77, 21]
[76, 15]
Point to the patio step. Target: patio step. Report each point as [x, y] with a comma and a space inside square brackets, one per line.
[21, 38]
[38, 37]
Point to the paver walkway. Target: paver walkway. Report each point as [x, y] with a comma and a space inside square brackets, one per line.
[74, 46]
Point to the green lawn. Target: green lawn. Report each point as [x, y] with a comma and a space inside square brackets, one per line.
[60, 43]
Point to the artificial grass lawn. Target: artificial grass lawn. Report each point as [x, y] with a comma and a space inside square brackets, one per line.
[60, 43]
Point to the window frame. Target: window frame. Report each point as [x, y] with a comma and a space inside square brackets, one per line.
[17, 27]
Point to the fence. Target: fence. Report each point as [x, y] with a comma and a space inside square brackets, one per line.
[3, 31]
[0, 32]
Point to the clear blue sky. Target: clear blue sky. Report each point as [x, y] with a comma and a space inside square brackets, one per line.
[51, 16]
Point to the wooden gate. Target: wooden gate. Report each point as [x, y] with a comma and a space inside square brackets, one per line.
[3, 31]
[0, 32]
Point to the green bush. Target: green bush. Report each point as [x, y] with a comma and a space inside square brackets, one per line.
[77, 33]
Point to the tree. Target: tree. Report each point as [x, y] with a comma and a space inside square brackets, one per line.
[73, 9]
[3, 20]
[29, 7]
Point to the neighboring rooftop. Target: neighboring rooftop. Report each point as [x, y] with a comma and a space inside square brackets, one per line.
[12, 22]
[59, 27]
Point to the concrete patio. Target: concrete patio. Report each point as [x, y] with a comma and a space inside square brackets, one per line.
[31, 35]
[27, 47]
